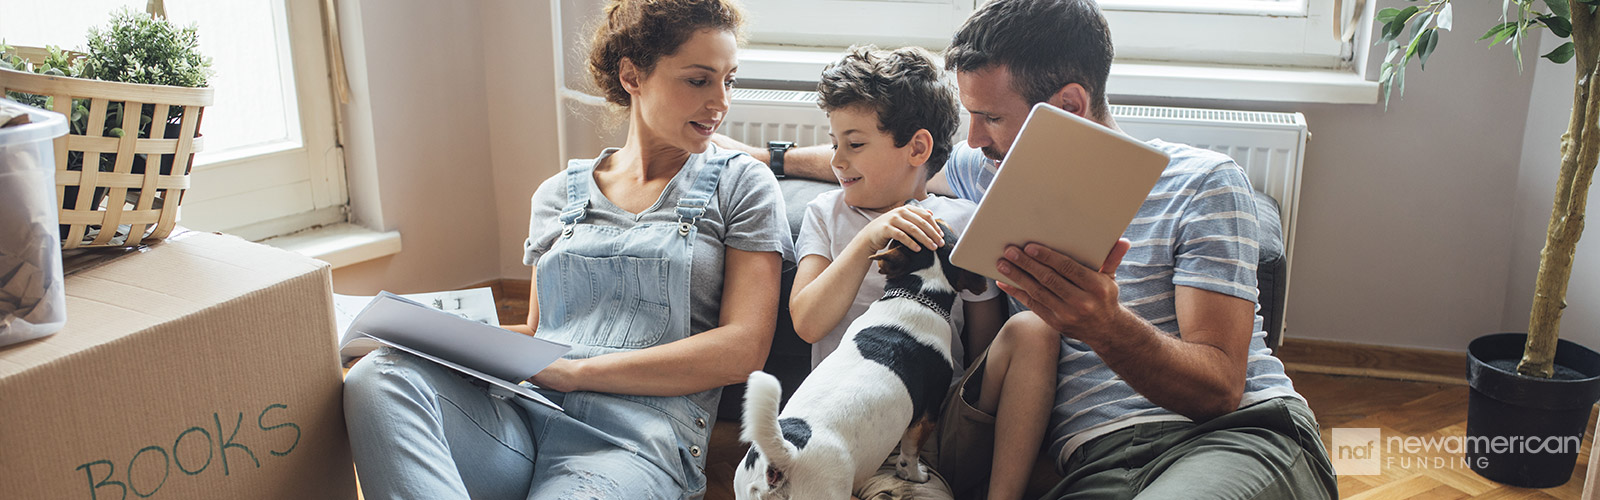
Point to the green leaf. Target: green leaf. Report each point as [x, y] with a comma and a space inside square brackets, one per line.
[1411, 50]
[1405, 14]
[1392, 31]
[1447, 17]
[1421, 24]
[1562, 54]
[1386, 15]
[1504, 35]
[1430, 41]
[1559, 8]
[1558, 26]
[1496, 30]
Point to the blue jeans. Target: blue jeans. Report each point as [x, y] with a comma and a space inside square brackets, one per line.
[434, 434]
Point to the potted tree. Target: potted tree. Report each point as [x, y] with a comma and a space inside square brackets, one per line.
[1531, 393]
[133, 97]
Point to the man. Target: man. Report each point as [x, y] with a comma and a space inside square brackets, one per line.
[1166, 388]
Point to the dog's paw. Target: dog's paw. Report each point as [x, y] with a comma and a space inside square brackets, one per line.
[911, 470]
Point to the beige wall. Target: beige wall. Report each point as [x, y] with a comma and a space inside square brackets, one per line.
[420, 143]
[1410, 219]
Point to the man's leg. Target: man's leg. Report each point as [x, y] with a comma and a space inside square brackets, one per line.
[1019, 390]
[1269, 450]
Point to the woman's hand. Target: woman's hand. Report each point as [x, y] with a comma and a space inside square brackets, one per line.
[912, 226]
[560, 376]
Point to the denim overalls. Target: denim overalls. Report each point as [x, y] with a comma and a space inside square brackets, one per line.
[419, 430]
[608, 289]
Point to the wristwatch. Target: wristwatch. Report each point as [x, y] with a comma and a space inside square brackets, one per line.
[776, 149]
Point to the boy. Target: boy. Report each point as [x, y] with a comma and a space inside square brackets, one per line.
[893, 115]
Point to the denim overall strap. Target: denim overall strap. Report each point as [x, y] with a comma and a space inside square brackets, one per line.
[693, 203]
[578, 173]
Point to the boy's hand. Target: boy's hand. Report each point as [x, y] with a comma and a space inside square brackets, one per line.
[912, 226]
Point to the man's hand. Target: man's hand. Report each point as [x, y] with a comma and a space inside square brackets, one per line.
[1079, 302]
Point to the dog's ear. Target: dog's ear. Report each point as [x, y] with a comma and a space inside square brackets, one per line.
[894, 261]
[949, 236]
[968, 280]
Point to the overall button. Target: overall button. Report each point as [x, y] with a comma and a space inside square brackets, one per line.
[694, 451]
[700, 422]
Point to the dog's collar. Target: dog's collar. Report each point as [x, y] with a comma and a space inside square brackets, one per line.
[921, 299]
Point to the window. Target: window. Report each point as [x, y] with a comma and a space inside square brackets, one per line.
[1297, 33]
[841, 23]
[270, 163]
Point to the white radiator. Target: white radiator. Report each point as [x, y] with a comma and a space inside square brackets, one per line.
[1270, 146]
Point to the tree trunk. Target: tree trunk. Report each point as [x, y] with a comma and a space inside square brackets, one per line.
[1580, 147]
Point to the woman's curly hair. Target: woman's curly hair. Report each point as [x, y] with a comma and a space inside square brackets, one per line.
[645, 30]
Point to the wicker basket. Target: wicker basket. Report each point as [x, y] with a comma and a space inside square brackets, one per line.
[108, 196]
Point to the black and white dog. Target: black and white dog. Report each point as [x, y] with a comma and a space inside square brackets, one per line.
[885, 383]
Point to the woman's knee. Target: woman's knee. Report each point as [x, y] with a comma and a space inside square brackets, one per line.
[387, 375]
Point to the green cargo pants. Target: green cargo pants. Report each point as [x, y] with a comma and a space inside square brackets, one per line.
[1269, 450]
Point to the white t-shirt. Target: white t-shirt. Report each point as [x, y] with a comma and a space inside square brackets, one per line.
[829, 226]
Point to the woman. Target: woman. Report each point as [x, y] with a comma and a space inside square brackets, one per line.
[658, 262]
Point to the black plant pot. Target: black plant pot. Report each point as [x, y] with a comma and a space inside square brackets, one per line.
[1526, 431]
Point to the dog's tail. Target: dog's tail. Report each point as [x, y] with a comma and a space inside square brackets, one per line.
[761, 397]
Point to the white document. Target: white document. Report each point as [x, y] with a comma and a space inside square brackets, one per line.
[476, 304]
[476, 348]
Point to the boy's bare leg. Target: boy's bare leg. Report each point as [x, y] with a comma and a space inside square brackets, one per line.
[1019, 390]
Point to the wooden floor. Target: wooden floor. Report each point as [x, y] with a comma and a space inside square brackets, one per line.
[1398, 408]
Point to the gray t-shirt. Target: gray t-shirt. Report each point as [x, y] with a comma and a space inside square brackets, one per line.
[747, 213]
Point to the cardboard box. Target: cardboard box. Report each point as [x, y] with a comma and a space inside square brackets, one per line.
[201, 368]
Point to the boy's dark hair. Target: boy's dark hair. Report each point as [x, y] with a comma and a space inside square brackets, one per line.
[1045, 44]
[905, 87]
[645, 30]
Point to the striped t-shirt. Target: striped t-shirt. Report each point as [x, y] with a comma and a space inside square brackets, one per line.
[1197, 228]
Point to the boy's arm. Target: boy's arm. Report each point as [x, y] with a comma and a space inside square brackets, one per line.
[819, 299]
[983, 321]
[809, 162]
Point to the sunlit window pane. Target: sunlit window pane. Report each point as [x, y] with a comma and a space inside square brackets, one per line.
[245, 39]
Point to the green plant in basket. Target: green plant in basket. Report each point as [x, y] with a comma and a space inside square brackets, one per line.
[133, 47]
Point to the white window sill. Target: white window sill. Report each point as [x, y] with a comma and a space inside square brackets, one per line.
[1130, 79]
[340, 244]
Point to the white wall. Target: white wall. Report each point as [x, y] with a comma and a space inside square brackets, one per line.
[520, 92]
[420, 123]
[1549, 107]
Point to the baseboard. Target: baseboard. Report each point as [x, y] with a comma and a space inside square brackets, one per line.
[1375, 361]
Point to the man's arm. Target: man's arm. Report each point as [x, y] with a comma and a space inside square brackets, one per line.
[1200, 376]
[810, 162]
[813, 162]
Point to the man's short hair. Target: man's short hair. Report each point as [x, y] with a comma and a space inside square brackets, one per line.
[1045, 44]
[905, 87]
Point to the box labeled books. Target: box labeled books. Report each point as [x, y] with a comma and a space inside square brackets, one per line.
[202, 367]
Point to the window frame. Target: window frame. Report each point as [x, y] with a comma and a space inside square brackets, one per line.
[1293, 34]
[1296, 34]
[279, 187]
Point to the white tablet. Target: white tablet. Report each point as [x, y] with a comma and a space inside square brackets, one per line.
[1068, 183]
